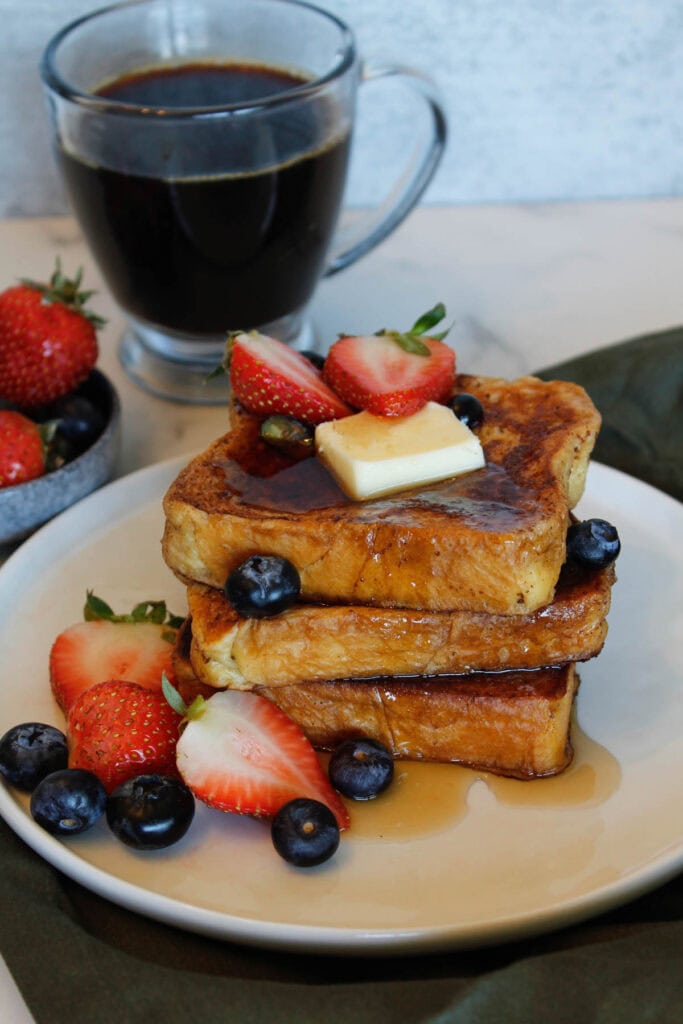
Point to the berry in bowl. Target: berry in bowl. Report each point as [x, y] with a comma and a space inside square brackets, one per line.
[59, 416]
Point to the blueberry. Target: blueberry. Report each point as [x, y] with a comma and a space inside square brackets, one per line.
[316, 358]
[594, 543]
[68, 801]
[468, 409]
[29, 752]
[80, 423]
[150, 812]
[263, 585]
[361, 768]
[305, 832]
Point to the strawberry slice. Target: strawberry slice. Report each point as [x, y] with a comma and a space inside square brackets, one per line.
[376, 373]
[118, 730]
[269, 378]
[137, 646]
[90, 652]
[240, 753]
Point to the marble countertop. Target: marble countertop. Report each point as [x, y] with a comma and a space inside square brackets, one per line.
[525, 286]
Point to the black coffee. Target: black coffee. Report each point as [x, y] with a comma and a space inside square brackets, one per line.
[222, 252]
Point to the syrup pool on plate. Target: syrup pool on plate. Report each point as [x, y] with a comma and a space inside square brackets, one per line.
[425, 799]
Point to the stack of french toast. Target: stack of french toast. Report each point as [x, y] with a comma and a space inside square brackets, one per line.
[444, 620]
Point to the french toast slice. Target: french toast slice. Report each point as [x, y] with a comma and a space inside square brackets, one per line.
[511, 723]
[488, 541]
[309, 643]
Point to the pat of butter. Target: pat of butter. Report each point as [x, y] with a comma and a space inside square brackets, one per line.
[375, 455]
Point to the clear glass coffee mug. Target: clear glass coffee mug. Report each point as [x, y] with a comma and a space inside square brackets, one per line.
[204, 147]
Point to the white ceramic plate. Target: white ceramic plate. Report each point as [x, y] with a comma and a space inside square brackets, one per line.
[498, 864]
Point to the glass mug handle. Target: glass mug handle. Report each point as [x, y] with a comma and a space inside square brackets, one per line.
[368, 230]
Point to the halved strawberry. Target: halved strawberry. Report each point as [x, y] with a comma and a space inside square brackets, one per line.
[240, 753]
[268, 377]
[137, 647]
[376, 373]
[118, 730]
[90, 652]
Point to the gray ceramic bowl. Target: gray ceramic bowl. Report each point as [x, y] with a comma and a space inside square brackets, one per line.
[27, 506]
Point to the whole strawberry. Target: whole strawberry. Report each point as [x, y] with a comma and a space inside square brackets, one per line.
[22, 453]
[48, 342]
[118, 730]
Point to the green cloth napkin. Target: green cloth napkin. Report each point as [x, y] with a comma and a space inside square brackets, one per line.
[81, 960]
[638, 387]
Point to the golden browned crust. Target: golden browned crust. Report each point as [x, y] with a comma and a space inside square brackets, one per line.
[492, 540]
[510, 723]
[313, 642]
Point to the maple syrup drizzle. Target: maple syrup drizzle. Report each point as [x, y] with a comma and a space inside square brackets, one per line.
[486, 499]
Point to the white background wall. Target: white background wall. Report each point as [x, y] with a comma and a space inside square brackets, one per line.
[547, 99]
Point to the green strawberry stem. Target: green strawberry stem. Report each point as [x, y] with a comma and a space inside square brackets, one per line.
[410, 341]
[189, 712]
[146, 611]
[224, 365]
[429, 319]
[67, 291]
